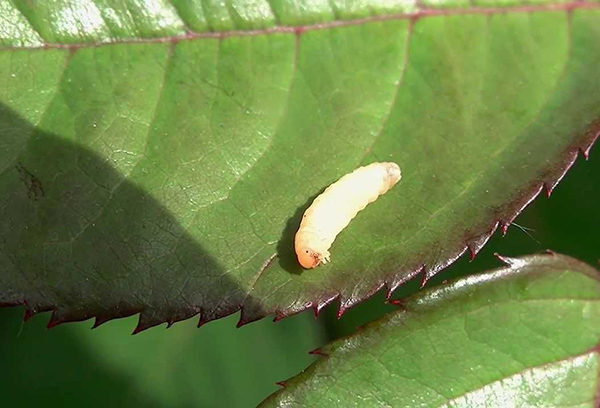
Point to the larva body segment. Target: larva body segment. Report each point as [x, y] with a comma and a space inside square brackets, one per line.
[333, 210]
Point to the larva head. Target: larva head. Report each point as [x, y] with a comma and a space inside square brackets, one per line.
[308, 258]
[393, 172]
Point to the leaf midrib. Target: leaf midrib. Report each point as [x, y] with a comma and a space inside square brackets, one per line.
[419, 13]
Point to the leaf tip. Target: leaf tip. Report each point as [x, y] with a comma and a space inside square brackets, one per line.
[399, 303]
[511, 262]
[55, 320]
[472, 253]
[501, 258]
[141, 326]
[474, 245]
[316, 307]
[341, 310]
[396, 302]
[99, 321]
[390, 287]
[318, 352]
[424, 277]
[241, 322]
[202, 321]
[594, 133]
[28, 314]
[549, 188]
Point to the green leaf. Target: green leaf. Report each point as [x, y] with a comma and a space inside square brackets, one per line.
[524, 335]
[220, 367]
[156, 157]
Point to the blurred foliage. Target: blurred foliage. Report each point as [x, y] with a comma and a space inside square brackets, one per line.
[184, 366]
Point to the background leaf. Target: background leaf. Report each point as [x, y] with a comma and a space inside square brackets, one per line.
[157, 159]
[219, 365]
[527, 335]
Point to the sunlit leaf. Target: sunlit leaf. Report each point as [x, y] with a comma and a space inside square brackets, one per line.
[156, 157]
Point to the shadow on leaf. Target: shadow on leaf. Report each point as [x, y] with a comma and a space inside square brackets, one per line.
[82, 240]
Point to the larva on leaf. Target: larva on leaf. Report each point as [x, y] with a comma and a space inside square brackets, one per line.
[333, 210]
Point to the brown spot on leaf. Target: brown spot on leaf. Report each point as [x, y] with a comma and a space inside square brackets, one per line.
[32, 183]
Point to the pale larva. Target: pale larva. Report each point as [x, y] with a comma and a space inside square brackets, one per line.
[333, 210]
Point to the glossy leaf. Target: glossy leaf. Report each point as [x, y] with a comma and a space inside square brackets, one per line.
[156, 157]
[524, 335]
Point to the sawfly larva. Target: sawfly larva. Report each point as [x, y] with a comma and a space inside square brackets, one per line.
[333, 210]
